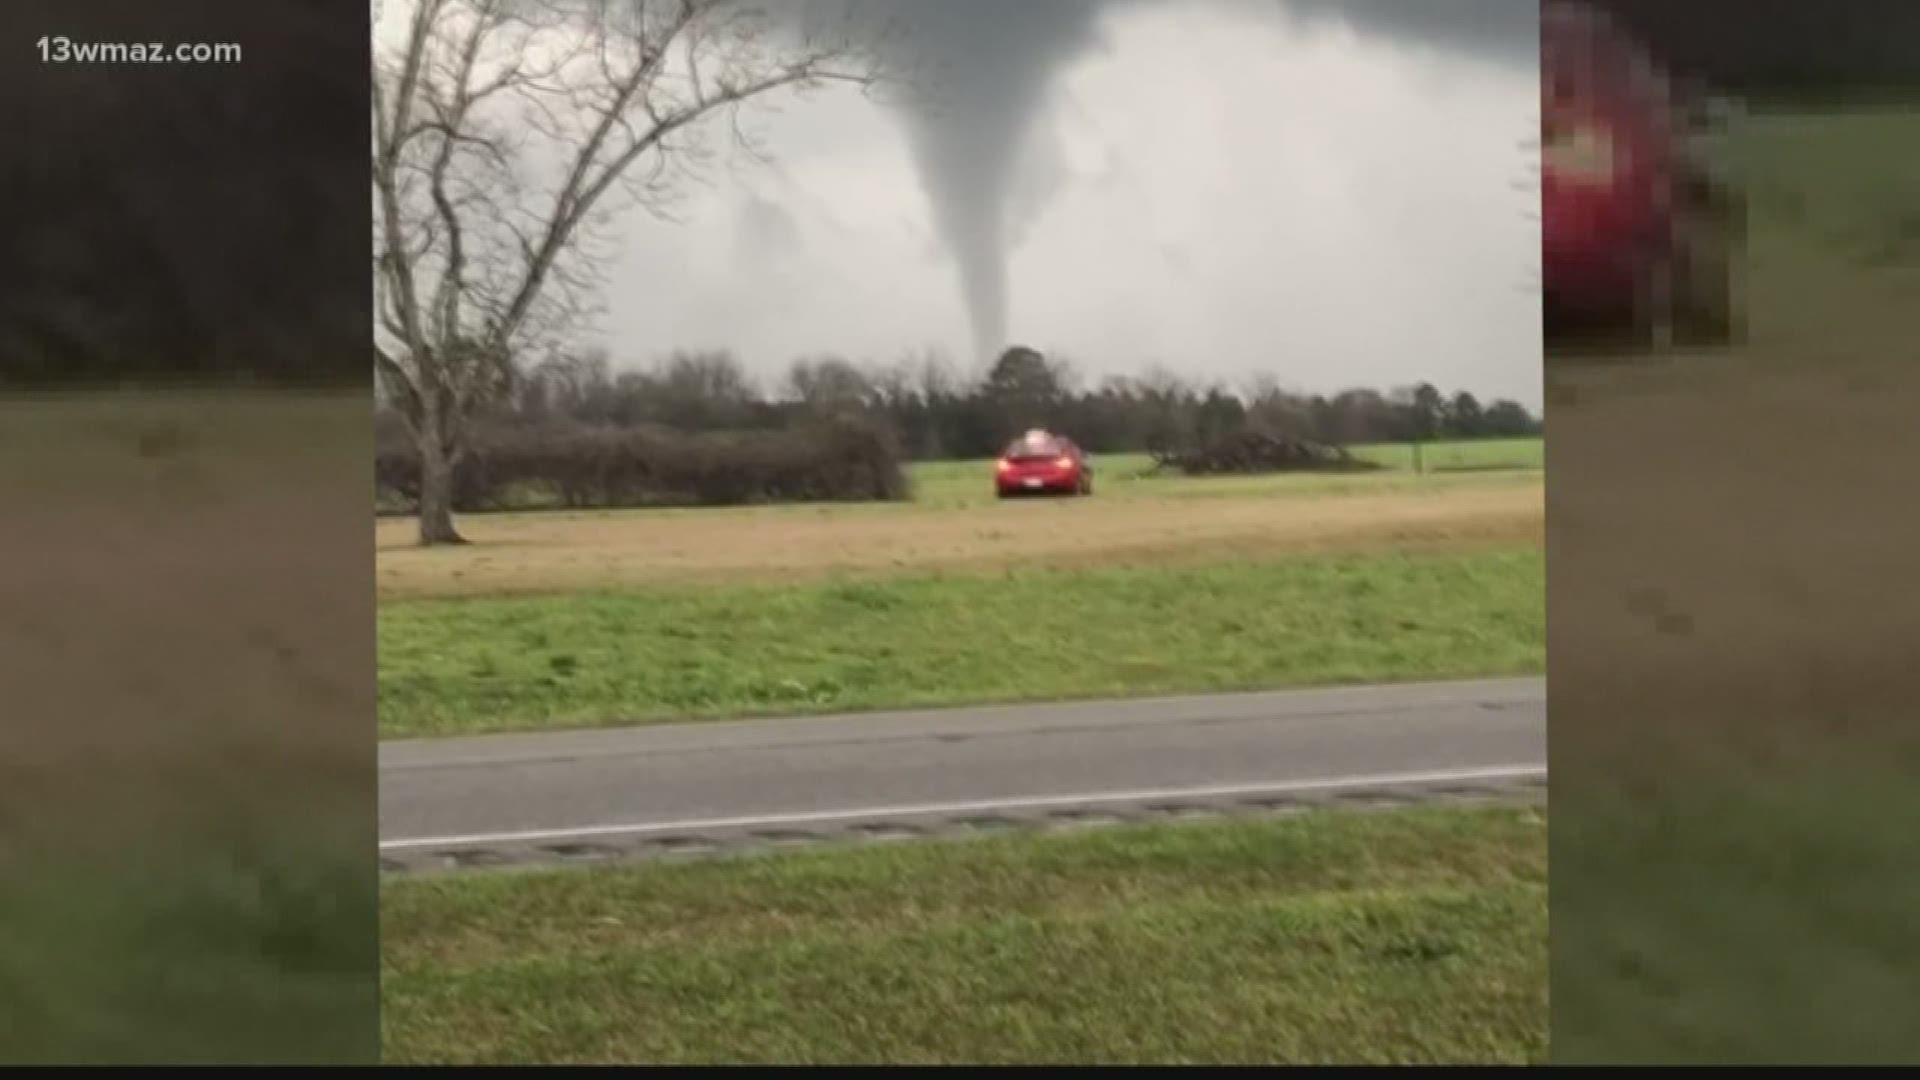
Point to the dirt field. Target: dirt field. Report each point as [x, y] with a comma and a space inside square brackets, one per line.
[547, 552]
[1772, 574]
[155, 539]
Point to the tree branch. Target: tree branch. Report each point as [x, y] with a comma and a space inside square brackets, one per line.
[611, 83]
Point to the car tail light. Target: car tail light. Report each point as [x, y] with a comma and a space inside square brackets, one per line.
[1064, 462]
[1002, 465]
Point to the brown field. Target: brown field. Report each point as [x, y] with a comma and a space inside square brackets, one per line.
[1732, 547]
[548, 552]
[155, 540]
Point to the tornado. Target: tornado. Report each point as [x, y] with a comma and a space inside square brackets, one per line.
[981, 72]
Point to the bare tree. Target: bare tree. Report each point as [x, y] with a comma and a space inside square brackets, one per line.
[506, 133]
[831, 385]
[932, 373]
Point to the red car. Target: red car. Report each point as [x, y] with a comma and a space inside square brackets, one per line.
[1636, 235]
[1040, 463]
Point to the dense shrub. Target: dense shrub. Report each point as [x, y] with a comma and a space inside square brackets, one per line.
[1259, 452]
[587, 466]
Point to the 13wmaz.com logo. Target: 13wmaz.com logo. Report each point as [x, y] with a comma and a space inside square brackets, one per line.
[65, 50]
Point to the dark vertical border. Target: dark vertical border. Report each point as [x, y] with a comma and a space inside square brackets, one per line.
[188, 819]
[1734, 609]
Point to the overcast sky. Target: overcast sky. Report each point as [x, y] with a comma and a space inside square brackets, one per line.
[1328, 192]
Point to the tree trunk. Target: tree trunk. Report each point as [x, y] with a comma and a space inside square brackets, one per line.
[436, 495]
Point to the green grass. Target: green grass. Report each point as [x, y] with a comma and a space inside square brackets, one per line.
[1723, 912]
[1835, 231]
[241, 940]
[467, 666]
[1477, 455]
[65, 444]
[1412, 936]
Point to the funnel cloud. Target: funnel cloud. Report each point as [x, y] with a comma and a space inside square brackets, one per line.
[984, 70]
[1327, 192]
[981, 71]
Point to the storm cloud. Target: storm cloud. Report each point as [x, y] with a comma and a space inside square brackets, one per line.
[1504, 32]
[986, 66]
[1327, 191]
[982, 72]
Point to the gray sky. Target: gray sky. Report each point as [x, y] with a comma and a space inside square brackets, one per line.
[1328, 192]
[1207, 186]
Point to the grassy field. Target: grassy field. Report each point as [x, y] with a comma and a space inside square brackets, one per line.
[1404, 937]
[1835, 248]
[1710, 910]
[949, 483]
[240, 931]
[1154, 585]
[684, 652]
[955, 524]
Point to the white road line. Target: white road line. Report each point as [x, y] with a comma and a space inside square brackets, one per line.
[1500, 772]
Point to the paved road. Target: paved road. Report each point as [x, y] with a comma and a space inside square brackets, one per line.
[695, 787]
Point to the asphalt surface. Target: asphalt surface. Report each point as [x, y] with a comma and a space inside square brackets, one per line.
[691, 789]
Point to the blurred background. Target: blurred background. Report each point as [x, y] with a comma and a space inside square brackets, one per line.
[1734, 630]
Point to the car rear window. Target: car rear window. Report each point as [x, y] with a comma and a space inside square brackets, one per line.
[1029, 449]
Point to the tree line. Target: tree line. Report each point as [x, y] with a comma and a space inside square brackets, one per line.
[934, 412]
